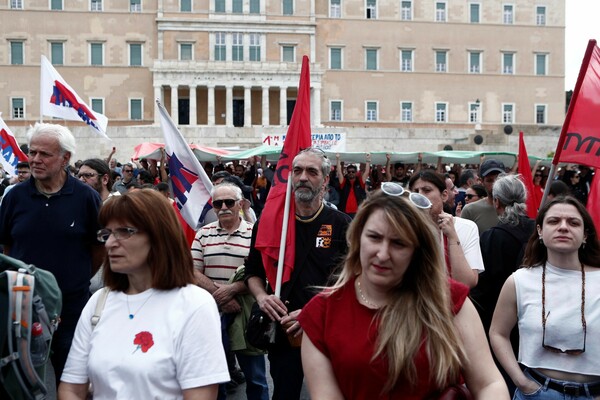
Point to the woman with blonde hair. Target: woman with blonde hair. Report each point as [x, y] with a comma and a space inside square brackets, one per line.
[394, 326]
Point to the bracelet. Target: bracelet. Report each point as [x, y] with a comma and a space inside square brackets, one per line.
[457, 243]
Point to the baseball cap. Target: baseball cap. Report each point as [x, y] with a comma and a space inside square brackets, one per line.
[491, 165]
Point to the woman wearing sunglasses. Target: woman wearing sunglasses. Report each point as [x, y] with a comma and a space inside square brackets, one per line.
[394, 326]
[555, 300]
[159, 334]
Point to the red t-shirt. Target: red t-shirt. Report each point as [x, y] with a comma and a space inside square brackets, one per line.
[352, 202]
[342, 329]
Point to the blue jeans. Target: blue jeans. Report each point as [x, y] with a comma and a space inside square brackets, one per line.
[254, 369]
[545, 393]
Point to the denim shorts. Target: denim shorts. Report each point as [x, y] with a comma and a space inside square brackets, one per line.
[545, 393]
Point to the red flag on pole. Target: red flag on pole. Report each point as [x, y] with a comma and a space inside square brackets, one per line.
[268, 240]
[526, 178]
[594, 200]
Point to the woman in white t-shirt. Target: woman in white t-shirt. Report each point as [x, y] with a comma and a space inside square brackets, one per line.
[555, 300]
[158, 336]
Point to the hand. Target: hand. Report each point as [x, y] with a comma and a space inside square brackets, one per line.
[368, 157]
[458, 209]
[231, 307]
[337, 156]
[290, 322]
[446, 224]
[245, 204]
[223, 294]
[529, 387]
[388, 156]
[273, 306]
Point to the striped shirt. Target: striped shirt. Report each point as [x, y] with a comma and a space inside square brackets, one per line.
[217, 253]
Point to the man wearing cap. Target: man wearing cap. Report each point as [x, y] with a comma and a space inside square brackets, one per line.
[482, 212]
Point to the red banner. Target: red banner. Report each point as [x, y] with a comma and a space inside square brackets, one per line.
[526, 178]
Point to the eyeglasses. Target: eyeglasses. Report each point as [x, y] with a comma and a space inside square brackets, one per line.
[86, 175]
[128, 170]
[395, 189]
[228, 202]
[470, 196]
[538, 175]
[119, 233]
[23, 172]
[545, 316]
[350, 171]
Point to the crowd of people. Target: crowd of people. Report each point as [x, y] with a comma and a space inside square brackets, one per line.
[408, 281]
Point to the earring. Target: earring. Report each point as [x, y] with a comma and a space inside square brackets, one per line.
[541, 240]
[583, 245]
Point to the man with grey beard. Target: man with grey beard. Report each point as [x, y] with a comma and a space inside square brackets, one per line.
[320, 246]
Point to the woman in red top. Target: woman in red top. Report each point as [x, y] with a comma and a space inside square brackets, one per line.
[393, 326]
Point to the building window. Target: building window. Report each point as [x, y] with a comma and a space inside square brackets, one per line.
[95, 5]
[185, 5]
[220, 6]
[406, 61]
[220, 47]
[97, 105]
[371, 9]
[541, 64]
[371, 59]
[508, 17]
[508, 63]
[540, 15]
[287, 7]
[406, 10]
[406, 114]
[16, 4]
[441, 114]
[335, 58]
[57, 53]
[335, 110]
[440, 11]
[135, 5]
[56, 5]
[441, 63]
[237, 6]
[254, 6]
[135, 109]
[97, 53]
[17, 107]
[474, 110]
[16, 52]
[254, 47]
[135, 54]
[474, 62]
[237, 49]
[335, 8]
[474, 13]
[371, 107]
[288, 54]
[508, 113]
[186, 51]
[540, 113]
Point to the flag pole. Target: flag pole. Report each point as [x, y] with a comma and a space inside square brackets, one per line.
[286, 218]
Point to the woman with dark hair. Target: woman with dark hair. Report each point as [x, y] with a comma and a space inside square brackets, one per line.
[555, 300]
[572, 178]
[474, 193]
[394, 326]
[158, 335]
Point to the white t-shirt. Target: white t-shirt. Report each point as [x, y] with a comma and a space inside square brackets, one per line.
[117, 357]
[468, 235]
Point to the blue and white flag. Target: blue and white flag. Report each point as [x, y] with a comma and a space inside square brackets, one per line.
[191, 185]
[11, 152]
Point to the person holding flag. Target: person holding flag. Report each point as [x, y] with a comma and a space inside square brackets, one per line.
[320, 244]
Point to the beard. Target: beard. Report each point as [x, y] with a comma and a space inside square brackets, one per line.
[306, 193]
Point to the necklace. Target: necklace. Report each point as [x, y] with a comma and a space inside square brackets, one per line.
[363, 298]
[132, 315]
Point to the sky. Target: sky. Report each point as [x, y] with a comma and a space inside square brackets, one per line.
[581, 25]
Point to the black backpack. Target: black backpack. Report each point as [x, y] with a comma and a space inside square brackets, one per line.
[27, 295]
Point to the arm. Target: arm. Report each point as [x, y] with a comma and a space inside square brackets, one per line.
[388, 172]
[367, 171]
[419, 163]
[319, 373]
[460, 268]
[112, 153]
[226, 292]
[481, 375]
[440, 167]
[504, 320]
[338, 169]
[73, 391]
[152, 168]
[535, 167]
[164, 177]
[268, 303]
[201, 393]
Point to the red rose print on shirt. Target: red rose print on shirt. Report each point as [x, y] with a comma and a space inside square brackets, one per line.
[144, 341]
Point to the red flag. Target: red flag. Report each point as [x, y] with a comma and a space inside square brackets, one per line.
[526, 178]
[594, 200]
[271, 220]
[579, 140]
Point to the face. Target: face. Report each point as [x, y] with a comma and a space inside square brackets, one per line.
[128, 255]
[431, 191]
[384, 256]
[91, 177]
[471, 196]
[127, 173]
[307, 178]
[46, 158]
[575, 179]
[488, 182]
[23, 174]
[227, 214]
[113, 163]
[351, 173]
[452, 192]
[239, 171]
[400, 172]
[562, 230]
[537, 178]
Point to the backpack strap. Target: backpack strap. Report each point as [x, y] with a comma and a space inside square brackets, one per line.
[99, 306]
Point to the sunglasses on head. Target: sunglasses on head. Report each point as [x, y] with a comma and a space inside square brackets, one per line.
[228, 202]
[395, 189]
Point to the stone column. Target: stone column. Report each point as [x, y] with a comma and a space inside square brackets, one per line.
[247, 106]
[157, 96]
[265, 104]
[193, 113]
[175, 104]
[210, 111]
[283, 106]
[228, 105]
[316, 102]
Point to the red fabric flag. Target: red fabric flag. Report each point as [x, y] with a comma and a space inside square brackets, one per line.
[526, 178]
[594, 200]
[579, 140]
[271, 220]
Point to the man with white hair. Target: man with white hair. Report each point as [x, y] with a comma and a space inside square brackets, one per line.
[51, 221]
